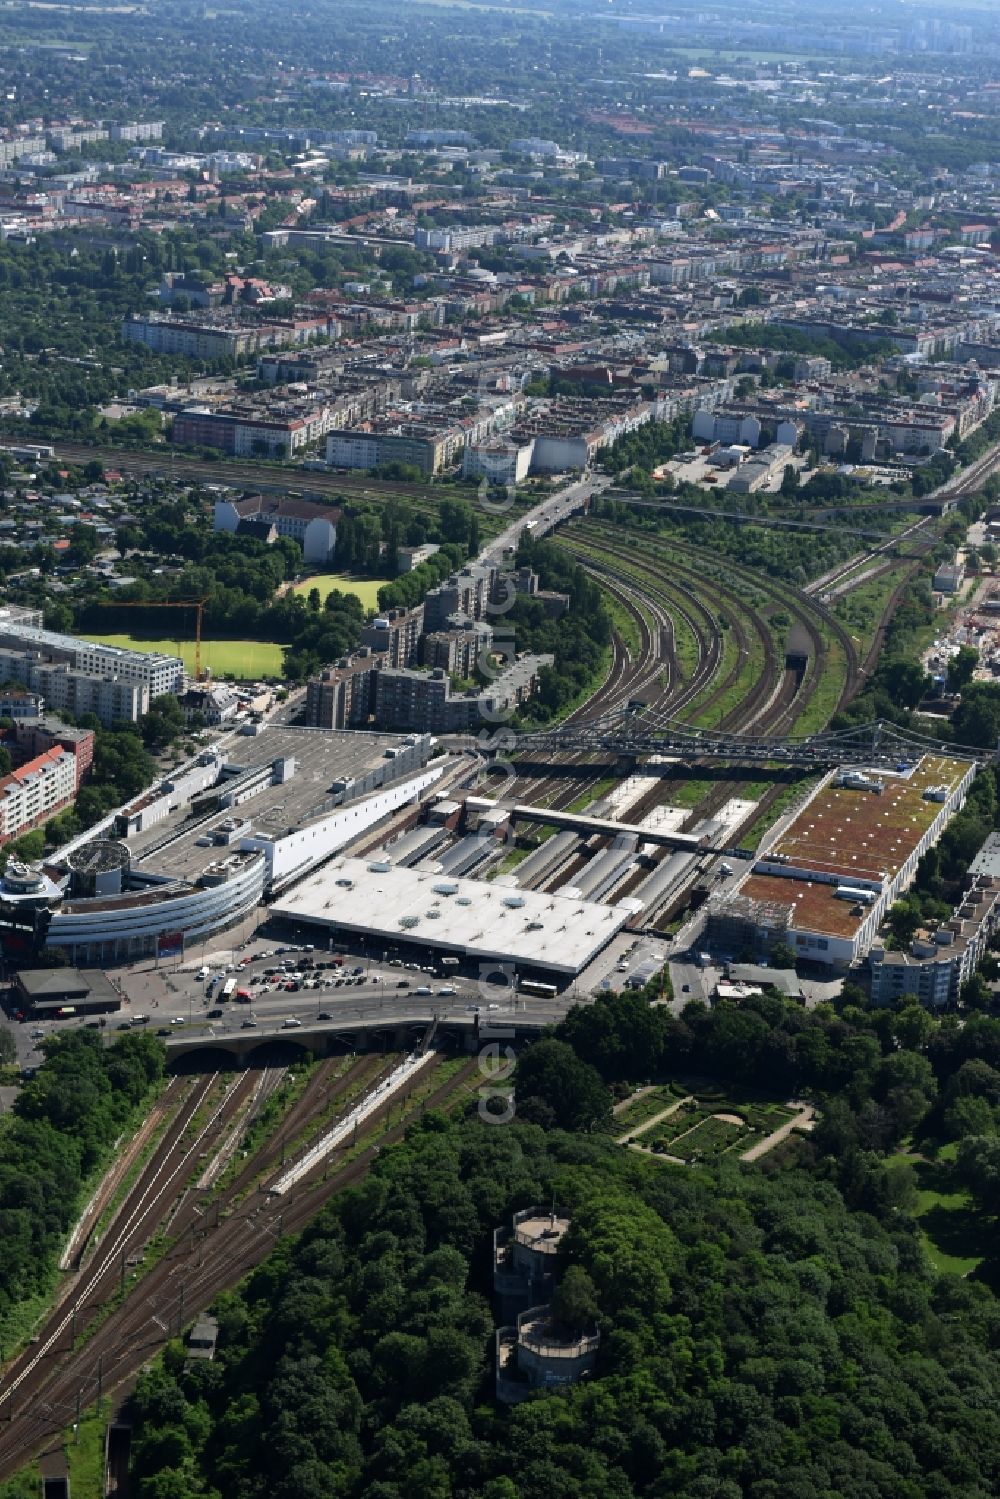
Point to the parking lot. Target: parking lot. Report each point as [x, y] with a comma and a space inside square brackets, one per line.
[270, 983]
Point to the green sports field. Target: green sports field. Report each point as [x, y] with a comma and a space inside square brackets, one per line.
[366, 589]
[238, 658]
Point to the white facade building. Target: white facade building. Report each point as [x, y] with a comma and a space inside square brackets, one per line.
[500, 463]
[32, 793]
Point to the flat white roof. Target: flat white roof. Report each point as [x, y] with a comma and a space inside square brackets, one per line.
[540, 930]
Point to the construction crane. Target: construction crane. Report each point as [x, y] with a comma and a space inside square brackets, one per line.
[197, 604]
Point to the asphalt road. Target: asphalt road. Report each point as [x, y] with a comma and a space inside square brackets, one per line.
[173, 999]
[546, 515]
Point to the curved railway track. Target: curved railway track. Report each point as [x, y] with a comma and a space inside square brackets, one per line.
[730, 627]
[811, 613]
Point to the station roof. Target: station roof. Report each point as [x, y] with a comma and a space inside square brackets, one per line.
[490, 921]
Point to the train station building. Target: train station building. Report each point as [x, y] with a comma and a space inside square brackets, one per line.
[478, 920]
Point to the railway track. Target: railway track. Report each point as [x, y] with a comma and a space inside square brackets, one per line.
[42, 1394]
[141, 1213]
[703, 567]
[775, 697]
[168, 462]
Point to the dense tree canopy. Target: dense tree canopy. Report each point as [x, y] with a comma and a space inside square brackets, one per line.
[758, 1339]
[63, 1122]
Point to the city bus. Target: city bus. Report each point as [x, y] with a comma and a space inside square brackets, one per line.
[533, 986]
[228, 989]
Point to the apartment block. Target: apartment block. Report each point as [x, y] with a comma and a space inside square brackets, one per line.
[36, 791]
[456, 237]
[467, 593]
[209, 341]
[159, 673]
[253, 433]
[20, 703]
[458, 651]
[137, 130]
[343, 696]
[394, 637]
[498, 463]
[423, 702]
[111, 700]
[938, 962]
[420, 445]
[33, 738]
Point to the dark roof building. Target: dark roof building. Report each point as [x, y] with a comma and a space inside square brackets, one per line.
[43, 991]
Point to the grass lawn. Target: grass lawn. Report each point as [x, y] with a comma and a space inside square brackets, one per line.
[241, 658]
[85, 1453]
[365, 589]
[955, 1234]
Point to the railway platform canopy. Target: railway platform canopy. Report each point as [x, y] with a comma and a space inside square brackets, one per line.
[639, 730]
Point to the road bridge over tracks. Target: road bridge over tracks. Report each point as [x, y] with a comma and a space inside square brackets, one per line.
[262, 1047]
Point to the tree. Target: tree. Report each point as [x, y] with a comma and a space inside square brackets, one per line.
[976, 993]
[163, 723]
[782, 955]
[912, 1026]
[905, 681]
[977, 1166]
[8, 1045]
[622, 1035]
[903, 920]
[554, 1086]
[961, 667]
[574, 1305]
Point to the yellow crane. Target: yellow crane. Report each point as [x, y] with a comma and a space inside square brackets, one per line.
[198, 605]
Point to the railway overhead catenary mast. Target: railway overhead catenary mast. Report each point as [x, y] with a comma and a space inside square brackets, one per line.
[637, 731]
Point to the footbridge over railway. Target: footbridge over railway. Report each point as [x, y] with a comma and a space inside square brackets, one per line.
[637, 731]
[404, 1032]
[605, 827]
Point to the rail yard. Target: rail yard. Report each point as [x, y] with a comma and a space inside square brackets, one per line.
[227, 1163]
[169, 1246]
